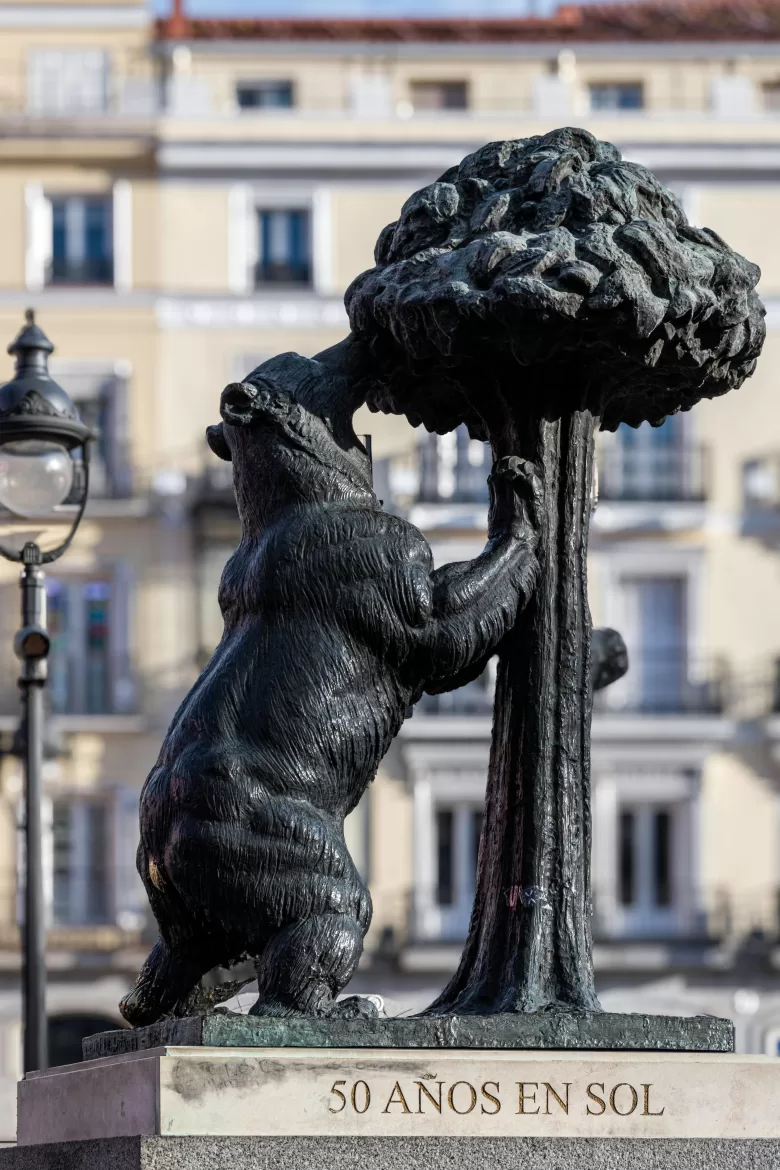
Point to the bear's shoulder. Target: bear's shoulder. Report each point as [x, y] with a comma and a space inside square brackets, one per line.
[341, 523]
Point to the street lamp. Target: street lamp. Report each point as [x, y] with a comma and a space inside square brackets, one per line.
[40, 437]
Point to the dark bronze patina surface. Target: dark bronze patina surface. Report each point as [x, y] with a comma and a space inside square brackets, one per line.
[515, 1030]
[540, 290]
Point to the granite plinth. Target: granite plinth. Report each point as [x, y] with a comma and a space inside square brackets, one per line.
[602, 1031]
[364, 1153]
[421, 1093]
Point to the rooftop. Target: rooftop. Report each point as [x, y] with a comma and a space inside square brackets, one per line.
[666, 20]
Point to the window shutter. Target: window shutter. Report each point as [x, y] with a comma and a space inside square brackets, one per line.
[38, 252]
[130, 905]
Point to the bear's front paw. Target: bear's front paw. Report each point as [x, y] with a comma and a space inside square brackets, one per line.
[516, 497]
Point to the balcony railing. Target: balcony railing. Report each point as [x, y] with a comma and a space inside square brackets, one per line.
[267, 272]
[657, 474]
[92, 270]
[213, 486]
[475, 698]
[92, 684]
[668, 683]
[697, 915]
[658, 683]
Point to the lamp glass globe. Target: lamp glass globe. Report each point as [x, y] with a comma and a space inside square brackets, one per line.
[35, 476]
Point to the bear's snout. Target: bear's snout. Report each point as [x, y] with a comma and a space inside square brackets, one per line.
[238, 403]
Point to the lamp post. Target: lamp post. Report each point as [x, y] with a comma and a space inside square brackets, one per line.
[41, 436]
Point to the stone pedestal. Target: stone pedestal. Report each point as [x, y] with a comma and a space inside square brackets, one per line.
[367, 1153]
[406, 1094]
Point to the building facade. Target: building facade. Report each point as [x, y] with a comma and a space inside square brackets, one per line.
[183, 199]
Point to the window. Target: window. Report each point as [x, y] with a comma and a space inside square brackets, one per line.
[67, 81]
[619, 95]
[653, 463]
[82, 244]
[445, 861]
[98, 389]
[88, 672]
[458, 831]
[264, 95]
[82, 879]
[770, 94]
[454, 467]
[645, 859]
[439, 95]
[284, 247]
[655, 633]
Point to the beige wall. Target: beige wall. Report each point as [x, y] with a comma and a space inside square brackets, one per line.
[181, 246]
[390, 852]
[126, 49]
[147, 233]
[193, 223]
[194, 366]
[743, 214]
[12, 219]
[739, 836]
[112, 331]
[358, 216]
[740, 425]
[495, 83]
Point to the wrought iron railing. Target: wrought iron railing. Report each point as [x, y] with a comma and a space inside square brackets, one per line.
[669, 682]
[92, 683]
[268, 272]
[92, 270]
[658, 474]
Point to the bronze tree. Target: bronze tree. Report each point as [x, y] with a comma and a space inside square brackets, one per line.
[538, 291]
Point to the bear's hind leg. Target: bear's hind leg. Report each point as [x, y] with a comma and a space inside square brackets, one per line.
[304, 967]
[165, 980]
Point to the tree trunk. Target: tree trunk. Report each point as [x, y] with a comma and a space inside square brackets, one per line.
[529, 943]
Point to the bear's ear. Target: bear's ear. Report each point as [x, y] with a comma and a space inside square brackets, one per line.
[215, 437]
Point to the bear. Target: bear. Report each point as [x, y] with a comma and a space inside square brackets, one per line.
[335, 624]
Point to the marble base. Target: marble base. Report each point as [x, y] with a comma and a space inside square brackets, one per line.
[613, 1031]
[371, 1093]
[366, 1153]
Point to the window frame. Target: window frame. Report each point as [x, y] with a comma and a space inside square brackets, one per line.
[80, 202]
[36, 102]
[626, 787]
[304, 233]
[616, 108]
[647, 559]
[120, 688]
[415, 84]
[259, 84]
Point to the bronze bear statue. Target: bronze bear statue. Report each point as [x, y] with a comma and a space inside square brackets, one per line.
[335, 623]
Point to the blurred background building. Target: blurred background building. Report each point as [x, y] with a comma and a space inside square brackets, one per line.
[181, 199]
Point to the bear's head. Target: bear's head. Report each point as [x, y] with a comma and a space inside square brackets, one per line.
[288, 430]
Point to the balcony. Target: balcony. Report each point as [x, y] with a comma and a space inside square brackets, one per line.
[92, 684]
[476, 698]
[440, 484]
[655, 474]
[657, 684]
[269, 272]
[668, 683]
[87, 691]
[91, 270]
[715, 928]
[213, 487]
